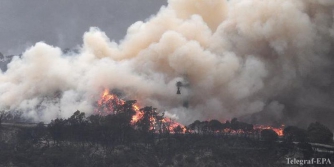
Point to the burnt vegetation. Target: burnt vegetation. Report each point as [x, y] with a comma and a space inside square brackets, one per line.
[115, 140]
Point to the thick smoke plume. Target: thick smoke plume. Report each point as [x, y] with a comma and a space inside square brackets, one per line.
[234, 58]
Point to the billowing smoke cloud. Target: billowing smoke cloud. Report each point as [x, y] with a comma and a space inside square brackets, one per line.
[234, 58]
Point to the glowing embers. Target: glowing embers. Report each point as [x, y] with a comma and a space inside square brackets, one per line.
[256, 129]
[278, 130]
[173, 126]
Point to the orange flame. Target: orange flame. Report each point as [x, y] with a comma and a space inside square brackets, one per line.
[108, 103]
[173, 124]
[278, 130]
[138, 115]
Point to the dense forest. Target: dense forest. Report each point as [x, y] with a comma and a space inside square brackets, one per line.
[115, 140]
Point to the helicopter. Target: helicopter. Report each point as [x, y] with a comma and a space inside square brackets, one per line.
[179, 84]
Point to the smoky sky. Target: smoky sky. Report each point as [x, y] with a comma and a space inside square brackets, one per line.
[62, 22]
[239, 58]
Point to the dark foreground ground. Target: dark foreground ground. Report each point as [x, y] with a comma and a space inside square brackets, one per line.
[24, 146]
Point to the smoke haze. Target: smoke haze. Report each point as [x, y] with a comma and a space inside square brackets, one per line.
[235, 58]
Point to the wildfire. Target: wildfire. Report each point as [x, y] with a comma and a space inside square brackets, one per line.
[108, 103]
[111, 104]
[138, 114]
[278, 130]
[173, 125]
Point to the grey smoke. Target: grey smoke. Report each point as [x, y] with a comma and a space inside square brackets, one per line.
[239, 57]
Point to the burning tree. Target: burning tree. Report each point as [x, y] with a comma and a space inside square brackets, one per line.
[146, 119]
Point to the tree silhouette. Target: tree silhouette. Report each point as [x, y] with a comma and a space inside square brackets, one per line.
[178, 130]
[319, 133]
[57, 130]
[215, 125]
[293, 133]
[269, 135]
[195, 126]
[234, 124]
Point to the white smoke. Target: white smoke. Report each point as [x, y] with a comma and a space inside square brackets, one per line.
[235, 56]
